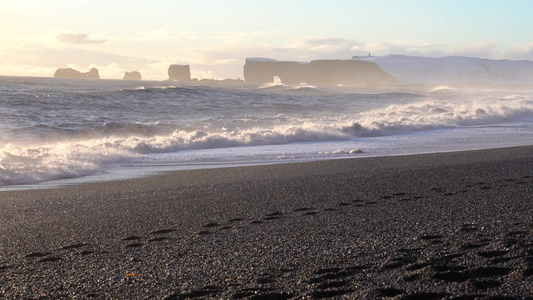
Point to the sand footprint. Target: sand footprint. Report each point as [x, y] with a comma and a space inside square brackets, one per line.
[38, 254]
[5, 267]
[74, 246]
[305, 208]
[44, 256]
[273, 216]
[158, 239]
[163, 231]
[234, 220]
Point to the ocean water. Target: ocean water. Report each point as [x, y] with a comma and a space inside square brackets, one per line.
[60, 131]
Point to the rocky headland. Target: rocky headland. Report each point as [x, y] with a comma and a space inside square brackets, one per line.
[317, 72]
[453, 70]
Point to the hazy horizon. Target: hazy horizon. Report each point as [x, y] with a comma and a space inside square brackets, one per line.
[216, 38]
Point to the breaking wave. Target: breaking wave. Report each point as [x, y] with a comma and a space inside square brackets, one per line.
[74, 153]
[52, 129]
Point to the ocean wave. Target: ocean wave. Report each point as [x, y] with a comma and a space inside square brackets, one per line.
[442, 114]
[23, 164]
[86, 151]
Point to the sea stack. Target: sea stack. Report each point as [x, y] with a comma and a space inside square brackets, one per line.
[135, 75]
[179, 73]
[71, 73]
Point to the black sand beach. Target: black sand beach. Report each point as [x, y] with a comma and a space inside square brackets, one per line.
[437, 226]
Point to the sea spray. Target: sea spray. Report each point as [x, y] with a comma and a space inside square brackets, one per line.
[53, 129]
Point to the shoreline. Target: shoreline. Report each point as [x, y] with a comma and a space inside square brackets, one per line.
[436, 226]
[131, 173]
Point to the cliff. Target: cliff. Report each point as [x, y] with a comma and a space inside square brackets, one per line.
[132, 76]
[453, 69]
[71, 73]
[317, 72]
[179, 73]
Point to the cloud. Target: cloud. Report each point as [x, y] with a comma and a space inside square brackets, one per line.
[79, 38]
[225, 61]
[162, 35]
[217, 55]
[200, 74]
[339, 48]
[325, 46]
[25, 70]
[43, 61]
[488, 49]
[521, 51]
[47, 56]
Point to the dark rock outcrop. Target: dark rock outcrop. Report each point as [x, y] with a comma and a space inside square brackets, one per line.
[71, 73]
[317, 72]
[179, 73]
[132, 76]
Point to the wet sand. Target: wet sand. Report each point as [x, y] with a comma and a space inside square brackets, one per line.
[437, 226]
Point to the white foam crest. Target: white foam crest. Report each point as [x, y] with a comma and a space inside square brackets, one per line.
[270, 85]
[442, 88]
[305, 85]
[199, 139]
[23, 164]
[342, 151]
[439, 114]
[20, 164]
[92, 153]
[156, 87]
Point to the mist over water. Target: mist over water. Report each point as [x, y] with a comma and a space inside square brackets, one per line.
[59, 128]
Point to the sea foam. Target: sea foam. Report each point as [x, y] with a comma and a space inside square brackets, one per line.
[78, 129]
[115, 142]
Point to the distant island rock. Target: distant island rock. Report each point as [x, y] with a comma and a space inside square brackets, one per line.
[135, 75]
[179, 73]
[317, 72]
[71, 73]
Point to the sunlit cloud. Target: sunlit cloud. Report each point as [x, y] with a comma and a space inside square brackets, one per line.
[217, 55]
[377, 48]
[43, 55]
[212, 37]
[321, 45]
[523, 50]
[42, 60]
[156, 34]
[226, 61]
[79, 38]
[25, 70]
[405, 47]
[201, 74]
[236, 36]
[163, 35]
[487, 49]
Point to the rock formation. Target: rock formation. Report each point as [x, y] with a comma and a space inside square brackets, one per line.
[71, 73]
[179, 73]
[317, 72]
[132, 76]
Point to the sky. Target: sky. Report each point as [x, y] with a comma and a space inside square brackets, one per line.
[215, 37]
